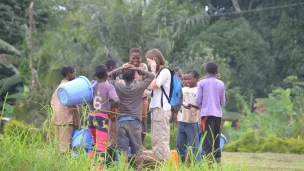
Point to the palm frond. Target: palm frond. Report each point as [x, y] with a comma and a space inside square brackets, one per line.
[9, 48]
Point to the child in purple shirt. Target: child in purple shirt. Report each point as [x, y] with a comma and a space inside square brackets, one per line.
[211, 97]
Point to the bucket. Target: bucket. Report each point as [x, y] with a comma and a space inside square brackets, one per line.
[223, 141]
[76, 92]
[81, 138]
[174, 158]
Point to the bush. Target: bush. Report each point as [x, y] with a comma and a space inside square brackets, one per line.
[251, 142]
[22, 132]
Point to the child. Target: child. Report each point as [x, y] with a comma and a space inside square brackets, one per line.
[111, 65]
[65, 118]
[188, 131]
[211, 97]
[104, 99]
[179, 72]
[130, 107]
[135, 59]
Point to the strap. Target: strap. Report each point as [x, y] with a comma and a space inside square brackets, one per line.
[164, 92]
[161, 100]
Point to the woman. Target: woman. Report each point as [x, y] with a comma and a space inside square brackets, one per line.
[159, 105]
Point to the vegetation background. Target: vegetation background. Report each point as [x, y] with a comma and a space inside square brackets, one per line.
[258, 44]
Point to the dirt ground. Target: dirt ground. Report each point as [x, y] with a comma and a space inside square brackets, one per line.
[265, 161]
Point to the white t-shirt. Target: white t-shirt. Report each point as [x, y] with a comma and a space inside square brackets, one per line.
[189, 115]
[163, 79]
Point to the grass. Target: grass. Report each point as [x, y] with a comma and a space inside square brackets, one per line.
[265, 161]
[21, 152]
[18, 155]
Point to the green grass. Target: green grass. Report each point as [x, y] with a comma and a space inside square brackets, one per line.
[265, 161]
[18, 155]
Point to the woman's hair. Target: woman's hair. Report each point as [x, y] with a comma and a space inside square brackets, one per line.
[157, 56]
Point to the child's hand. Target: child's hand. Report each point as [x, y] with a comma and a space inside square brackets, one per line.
[129, 66]
[186, 106]
[218, 76]
[153, 65]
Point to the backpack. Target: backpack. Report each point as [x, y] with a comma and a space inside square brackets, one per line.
[174, 97]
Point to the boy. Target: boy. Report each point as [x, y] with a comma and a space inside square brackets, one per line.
[105, 98]
[130, 108]
[66, 118]
[179, 72]
[135, 59]
[111, 65]
[188, 131]
[211, 97]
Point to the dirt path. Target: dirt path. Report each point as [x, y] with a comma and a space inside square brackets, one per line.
[265, 161]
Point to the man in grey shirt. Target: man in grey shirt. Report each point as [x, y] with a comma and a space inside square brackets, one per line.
[130, 92]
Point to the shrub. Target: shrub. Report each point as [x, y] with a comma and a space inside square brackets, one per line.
[22, 132]
[250, 141]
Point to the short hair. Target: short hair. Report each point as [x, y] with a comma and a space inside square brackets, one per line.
[135, 50]
[66, 70]
[211, 68]
[194, 73]
[177, 69]
[128, 74]
[101, 71]
[110, 63]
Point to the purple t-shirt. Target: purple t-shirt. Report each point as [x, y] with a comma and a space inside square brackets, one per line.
[103, 93]
[210, 96]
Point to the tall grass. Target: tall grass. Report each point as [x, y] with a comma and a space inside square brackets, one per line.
[25, 150]
[18, 155]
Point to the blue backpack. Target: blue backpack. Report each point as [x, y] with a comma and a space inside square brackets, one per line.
[174, 97]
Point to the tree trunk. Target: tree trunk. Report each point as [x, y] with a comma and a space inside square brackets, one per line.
[238, 9]
[31, 30]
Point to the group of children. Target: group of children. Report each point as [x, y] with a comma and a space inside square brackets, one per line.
[118, 113]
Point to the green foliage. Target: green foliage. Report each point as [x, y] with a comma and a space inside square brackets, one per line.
[14, 14]
[251, 141]
[33, 106]
[22, 132]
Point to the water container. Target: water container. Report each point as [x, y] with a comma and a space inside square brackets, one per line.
[82, 138]
[174, 158]
[76, 92]
[223, 141]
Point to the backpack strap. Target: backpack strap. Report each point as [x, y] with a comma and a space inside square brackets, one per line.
[163, 92]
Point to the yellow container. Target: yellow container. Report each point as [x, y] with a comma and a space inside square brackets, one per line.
[174, 158]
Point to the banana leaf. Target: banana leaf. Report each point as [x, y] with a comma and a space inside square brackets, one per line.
[9, 48]
[9, 82]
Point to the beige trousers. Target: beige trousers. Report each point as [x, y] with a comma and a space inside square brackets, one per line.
[63, 136]
[160, 133]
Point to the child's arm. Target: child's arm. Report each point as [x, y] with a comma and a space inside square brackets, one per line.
[149, 77]
[113, 74]
[194, 106]
[199, 94]
[114, 99]
[223, 98]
